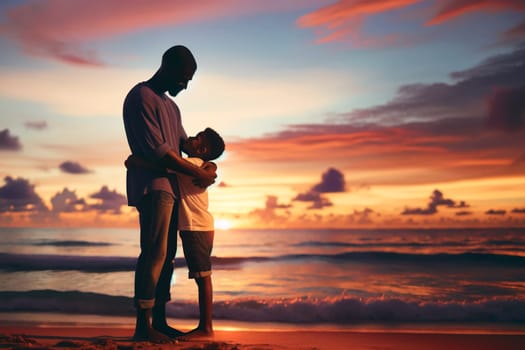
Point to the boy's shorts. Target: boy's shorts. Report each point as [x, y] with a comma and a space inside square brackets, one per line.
[197, 246]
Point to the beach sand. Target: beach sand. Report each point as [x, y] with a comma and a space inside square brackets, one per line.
[115, 338]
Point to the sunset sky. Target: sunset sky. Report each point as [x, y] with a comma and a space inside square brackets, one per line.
[387, 113]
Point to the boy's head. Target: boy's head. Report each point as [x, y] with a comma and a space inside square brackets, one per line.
[207, 145]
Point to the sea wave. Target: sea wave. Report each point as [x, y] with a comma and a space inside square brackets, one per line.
[469, 258]
[52, 243]
[341, 309]
[99, 264]
[493, 243]
[338, 244]
[26, 262]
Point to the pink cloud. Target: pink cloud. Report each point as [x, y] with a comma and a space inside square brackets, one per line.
[59, 29]
[336, 14]
[452, 9]
[343, 20]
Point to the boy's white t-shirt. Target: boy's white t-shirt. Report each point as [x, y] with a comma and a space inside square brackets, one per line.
[193, 203]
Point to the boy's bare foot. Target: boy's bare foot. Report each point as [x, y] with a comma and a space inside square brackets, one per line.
[198, 333]
[153, 336]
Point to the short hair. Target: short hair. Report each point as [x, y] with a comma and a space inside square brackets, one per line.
[215, 144]
[179, 55]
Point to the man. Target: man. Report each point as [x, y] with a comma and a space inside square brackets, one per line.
[154, 131]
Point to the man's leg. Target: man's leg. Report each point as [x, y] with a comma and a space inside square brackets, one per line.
[163, 287]
[155, 215]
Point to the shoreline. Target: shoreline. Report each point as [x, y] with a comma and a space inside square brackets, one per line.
[98, 338]
[57, 320]
[27, 330]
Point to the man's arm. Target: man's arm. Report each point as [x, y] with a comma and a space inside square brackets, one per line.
[207, 171]
[203, 176]
[134, 161]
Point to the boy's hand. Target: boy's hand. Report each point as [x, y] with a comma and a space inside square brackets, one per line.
[208, 175]
[209, 166]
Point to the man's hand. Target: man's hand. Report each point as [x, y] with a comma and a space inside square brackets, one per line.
[207, 176]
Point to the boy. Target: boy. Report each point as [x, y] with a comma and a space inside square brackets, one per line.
[195, 221]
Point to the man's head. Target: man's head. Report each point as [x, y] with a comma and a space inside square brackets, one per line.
[207, 145]
[177, 68]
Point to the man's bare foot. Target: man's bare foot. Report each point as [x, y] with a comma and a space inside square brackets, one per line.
[151, 335]
[168, 331]
[198, 333]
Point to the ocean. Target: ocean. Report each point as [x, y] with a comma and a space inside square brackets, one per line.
[333, 278]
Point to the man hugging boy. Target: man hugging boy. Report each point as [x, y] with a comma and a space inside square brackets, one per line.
[195, 222]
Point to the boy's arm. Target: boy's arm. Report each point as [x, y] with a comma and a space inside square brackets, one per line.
[203, 176]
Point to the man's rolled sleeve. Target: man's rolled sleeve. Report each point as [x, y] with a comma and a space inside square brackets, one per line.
[161, 150]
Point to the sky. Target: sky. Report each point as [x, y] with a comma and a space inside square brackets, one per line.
[336, 114]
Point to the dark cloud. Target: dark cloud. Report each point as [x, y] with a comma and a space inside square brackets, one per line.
[272, 203]
[518, 210]
[67, 202]
[419, 211]
[507, 109]
[439, 129]
[463, 213]
[331, 181]
[109, 201]
[36, 124]
[9, 142]
[18, 195]
[463, 98]
[309, 196]
[495, 212]
[318, 201]
[436, 199]
[361, 217]
[73, 168]
[269, 215]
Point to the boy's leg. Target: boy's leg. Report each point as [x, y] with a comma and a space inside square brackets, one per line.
[197, 247]
[154, 215]
[205, 304]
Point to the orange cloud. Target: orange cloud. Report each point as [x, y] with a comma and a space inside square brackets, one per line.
[343, 20]
[420, 151]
